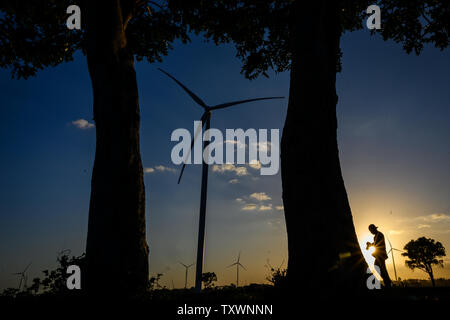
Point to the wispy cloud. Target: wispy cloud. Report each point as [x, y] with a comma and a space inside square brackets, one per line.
[233, 181]
[163, 168]
[83, 124]
[159, 168]
[255, 165]
[238, 144]
[228, 167]
[435, 217]
[260, 196]
[395, 232]
[265, 207]
[422, 226]
[250, 207]
[279, 208]
[440, 217]
[255, 207]
[266, 146]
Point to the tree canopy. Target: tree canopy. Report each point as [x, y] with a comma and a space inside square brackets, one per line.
[262, 30]
[35, 36]
[423, 254]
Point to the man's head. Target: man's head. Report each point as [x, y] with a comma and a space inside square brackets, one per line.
[373, 229]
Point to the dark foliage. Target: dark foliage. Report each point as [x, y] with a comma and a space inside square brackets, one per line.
[53, 282]
[423, 254]
[208, 279]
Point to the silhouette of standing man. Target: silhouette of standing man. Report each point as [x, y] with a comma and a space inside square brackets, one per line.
[379, 254]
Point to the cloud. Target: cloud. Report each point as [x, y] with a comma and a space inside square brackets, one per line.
[260, 196]
[239, 200]
[233, 181]
[439, 217]
[279, 208]
[163, 168]
[239, 144]
[255, 164]
[266, 146]
[254, 207]
[436, 223]
[435, 217]
[249, 207]
[228, 167]
[265, 208]
[395, 232]
[83, 124]
[159, 168]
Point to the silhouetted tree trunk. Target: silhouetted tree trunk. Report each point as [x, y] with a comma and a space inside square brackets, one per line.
[324, 254]
[117, 252]
[430, 272]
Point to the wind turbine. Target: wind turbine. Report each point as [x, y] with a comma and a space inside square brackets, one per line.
[391, 251]
[206, 121]
[268, 264]
[23, 277]
[237, 264]
[187, 268]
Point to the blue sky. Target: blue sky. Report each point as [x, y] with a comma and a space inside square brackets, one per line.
[394, 128]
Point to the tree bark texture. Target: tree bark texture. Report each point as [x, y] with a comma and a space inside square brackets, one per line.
[324, 254]
[117, 251]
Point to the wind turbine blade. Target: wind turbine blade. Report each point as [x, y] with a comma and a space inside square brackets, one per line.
[27, 267]
[199, 129]
[183, 264]
[233, 103]
[390, 244]
[232, 264]
[189, 92]
[190, 265]
[239, 257]
[242, 266]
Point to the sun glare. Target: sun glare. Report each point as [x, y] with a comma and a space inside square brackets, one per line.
[368, 253]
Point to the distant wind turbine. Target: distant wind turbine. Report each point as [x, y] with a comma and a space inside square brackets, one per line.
[237, 264]
[187, 269]
[391, 251]
[206, 121]
[268, 263]
[23, 277]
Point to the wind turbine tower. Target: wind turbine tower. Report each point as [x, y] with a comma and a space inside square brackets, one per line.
[206, 121]
[23, 277]
[391, 251]
[237, 264]
[187, 269]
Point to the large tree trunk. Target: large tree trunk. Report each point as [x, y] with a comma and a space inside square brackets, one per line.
[432, 277]
[324, 255]
[117, 252]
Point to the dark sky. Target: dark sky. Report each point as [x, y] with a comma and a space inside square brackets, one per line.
[394, 133]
